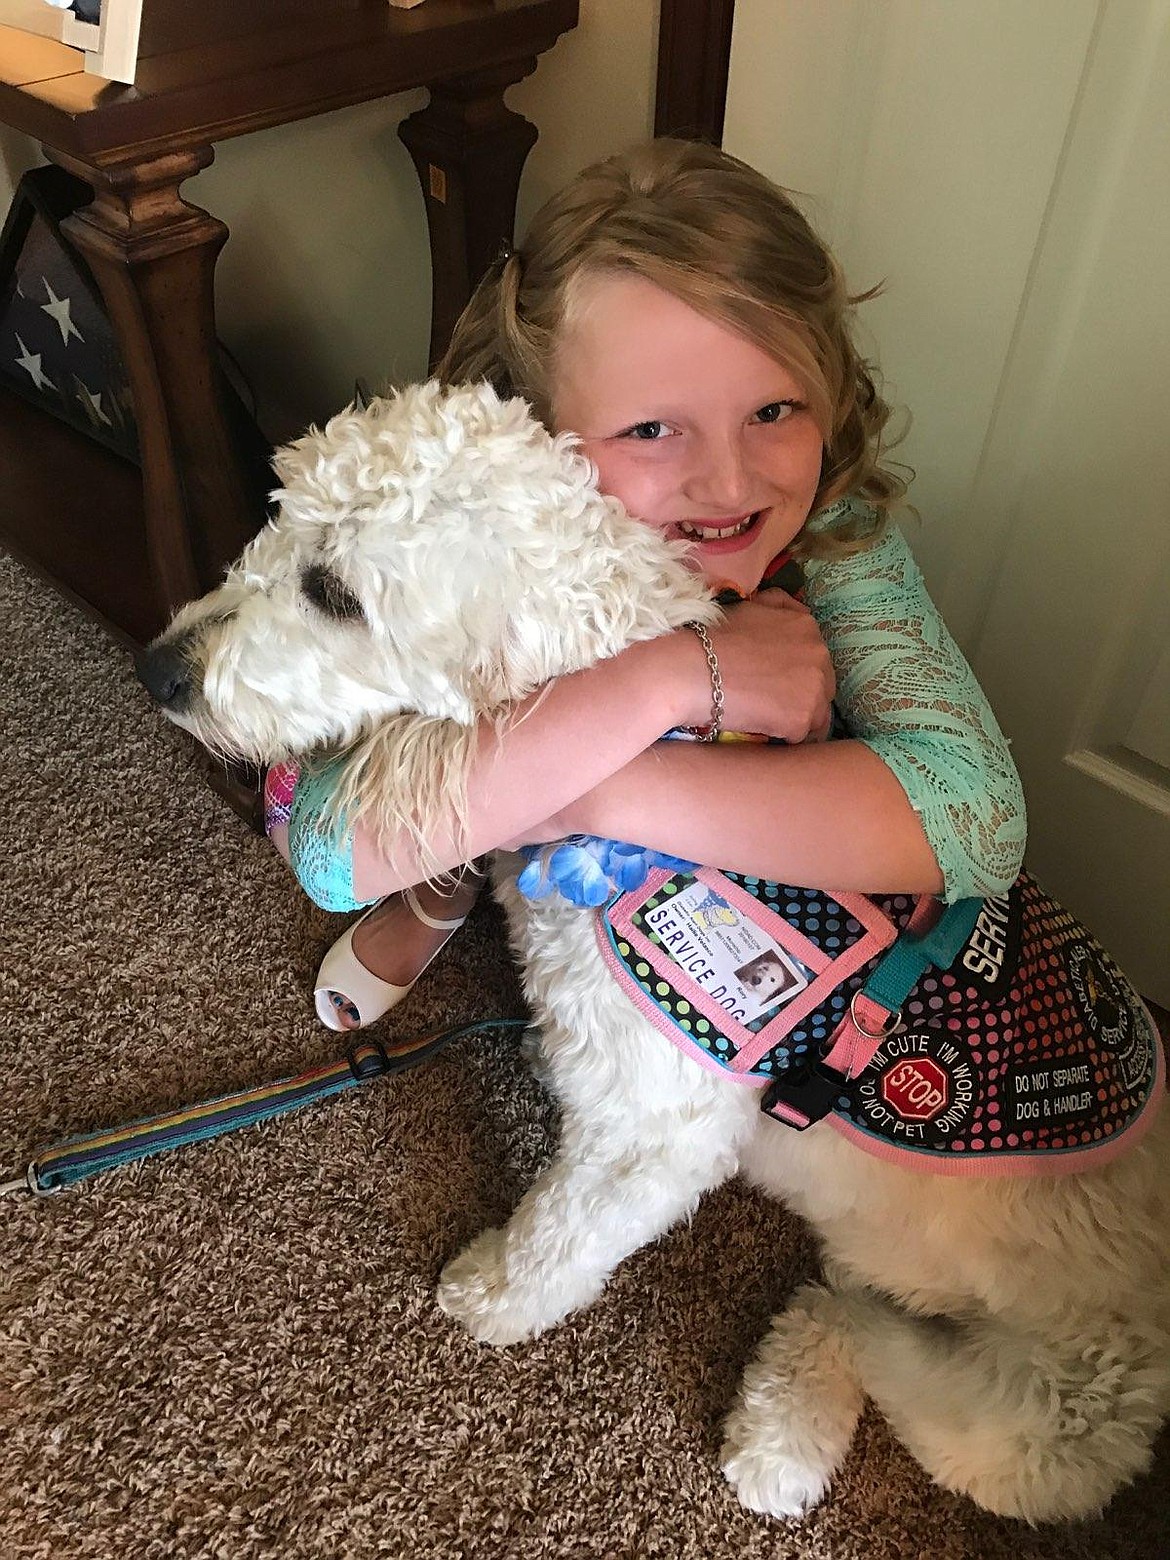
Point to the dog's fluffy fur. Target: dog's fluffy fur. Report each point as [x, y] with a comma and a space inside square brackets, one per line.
[438, 556]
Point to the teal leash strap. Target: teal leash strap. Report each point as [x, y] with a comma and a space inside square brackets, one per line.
[76, 1159]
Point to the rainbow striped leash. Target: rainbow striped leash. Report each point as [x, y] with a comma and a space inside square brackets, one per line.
[78, 1158]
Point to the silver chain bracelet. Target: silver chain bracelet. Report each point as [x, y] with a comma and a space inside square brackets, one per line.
[709, 733]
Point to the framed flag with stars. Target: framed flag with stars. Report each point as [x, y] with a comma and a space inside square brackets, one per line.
[57, 347]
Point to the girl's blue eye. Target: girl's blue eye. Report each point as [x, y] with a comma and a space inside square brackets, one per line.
[775, 411]
[654, 429]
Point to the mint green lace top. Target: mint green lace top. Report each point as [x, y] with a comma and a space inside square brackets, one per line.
[906, 691]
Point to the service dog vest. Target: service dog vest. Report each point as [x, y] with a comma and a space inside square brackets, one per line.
[987, 1037]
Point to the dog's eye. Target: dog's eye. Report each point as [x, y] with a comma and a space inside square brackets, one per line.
[330, 594]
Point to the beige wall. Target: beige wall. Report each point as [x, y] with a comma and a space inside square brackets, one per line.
[591, 95]
[327, 272]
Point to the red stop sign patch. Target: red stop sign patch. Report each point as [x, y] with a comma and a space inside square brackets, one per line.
[917, 1088]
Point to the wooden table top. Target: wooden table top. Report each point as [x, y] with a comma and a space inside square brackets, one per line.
[220, 68]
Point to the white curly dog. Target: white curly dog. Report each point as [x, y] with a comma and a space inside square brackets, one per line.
[435, 558]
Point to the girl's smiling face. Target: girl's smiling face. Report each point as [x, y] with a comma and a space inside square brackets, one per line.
[692, 427]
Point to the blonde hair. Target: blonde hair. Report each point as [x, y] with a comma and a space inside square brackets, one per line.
[725, 240]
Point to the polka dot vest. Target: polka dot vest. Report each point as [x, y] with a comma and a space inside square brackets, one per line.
[994, 1037]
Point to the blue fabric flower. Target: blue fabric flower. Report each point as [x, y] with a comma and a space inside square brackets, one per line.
[588, 871]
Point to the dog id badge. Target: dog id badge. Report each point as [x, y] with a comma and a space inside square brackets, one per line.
[746, 976]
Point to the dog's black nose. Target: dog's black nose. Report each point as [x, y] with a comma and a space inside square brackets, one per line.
[164, 670]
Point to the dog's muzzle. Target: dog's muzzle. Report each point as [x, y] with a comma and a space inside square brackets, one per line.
[166, 671]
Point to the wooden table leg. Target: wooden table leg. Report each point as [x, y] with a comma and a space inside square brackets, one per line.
[469, 150]
[153, 256]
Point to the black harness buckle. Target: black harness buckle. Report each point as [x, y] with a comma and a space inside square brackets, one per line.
[811, 1091]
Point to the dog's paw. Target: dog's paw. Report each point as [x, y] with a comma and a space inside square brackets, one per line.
[474, 1290]
[798, 1408]
[784, 1441]
[768, 1481]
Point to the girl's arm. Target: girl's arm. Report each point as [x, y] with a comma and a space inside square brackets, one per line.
[907, 692]
[579, 730]
[924, 798]
[822, 815]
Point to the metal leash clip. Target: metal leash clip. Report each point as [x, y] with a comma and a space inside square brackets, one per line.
[28, 1183]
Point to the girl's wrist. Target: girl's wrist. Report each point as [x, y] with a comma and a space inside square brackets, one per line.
[709, 726]
[692, 680]
[665, 679]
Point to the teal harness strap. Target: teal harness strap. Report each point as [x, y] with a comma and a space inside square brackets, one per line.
[907, 961]
[76, 1159]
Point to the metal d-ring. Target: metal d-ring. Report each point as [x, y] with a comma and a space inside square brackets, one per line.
[881, 1034]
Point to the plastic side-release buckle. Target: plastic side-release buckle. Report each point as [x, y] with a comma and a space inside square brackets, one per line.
[804, 1096]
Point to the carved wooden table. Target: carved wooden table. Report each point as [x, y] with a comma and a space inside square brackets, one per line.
[130, 546]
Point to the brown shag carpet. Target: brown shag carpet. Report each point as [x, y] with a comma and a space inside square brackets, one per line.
[233, 1350]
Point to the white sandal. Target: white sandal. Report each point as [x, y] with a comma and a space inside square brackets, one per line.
[343, 975]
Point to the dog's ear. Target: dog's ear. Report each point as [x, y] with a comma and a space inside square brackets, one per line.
[623, 585]
[409, 777]
[516, 661]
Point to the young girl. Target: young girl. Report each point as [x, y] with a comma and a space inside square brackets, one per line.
[674, 309]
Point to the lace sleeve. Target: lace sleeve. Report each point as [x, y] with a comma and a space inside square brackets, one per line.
[906, 691]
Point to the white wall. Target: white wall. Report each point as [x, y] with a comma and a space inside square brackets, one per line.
[926, 137]
[326, 275]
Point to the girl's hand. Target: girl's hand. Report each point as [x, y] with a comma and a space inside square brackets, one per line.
[778, 679]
